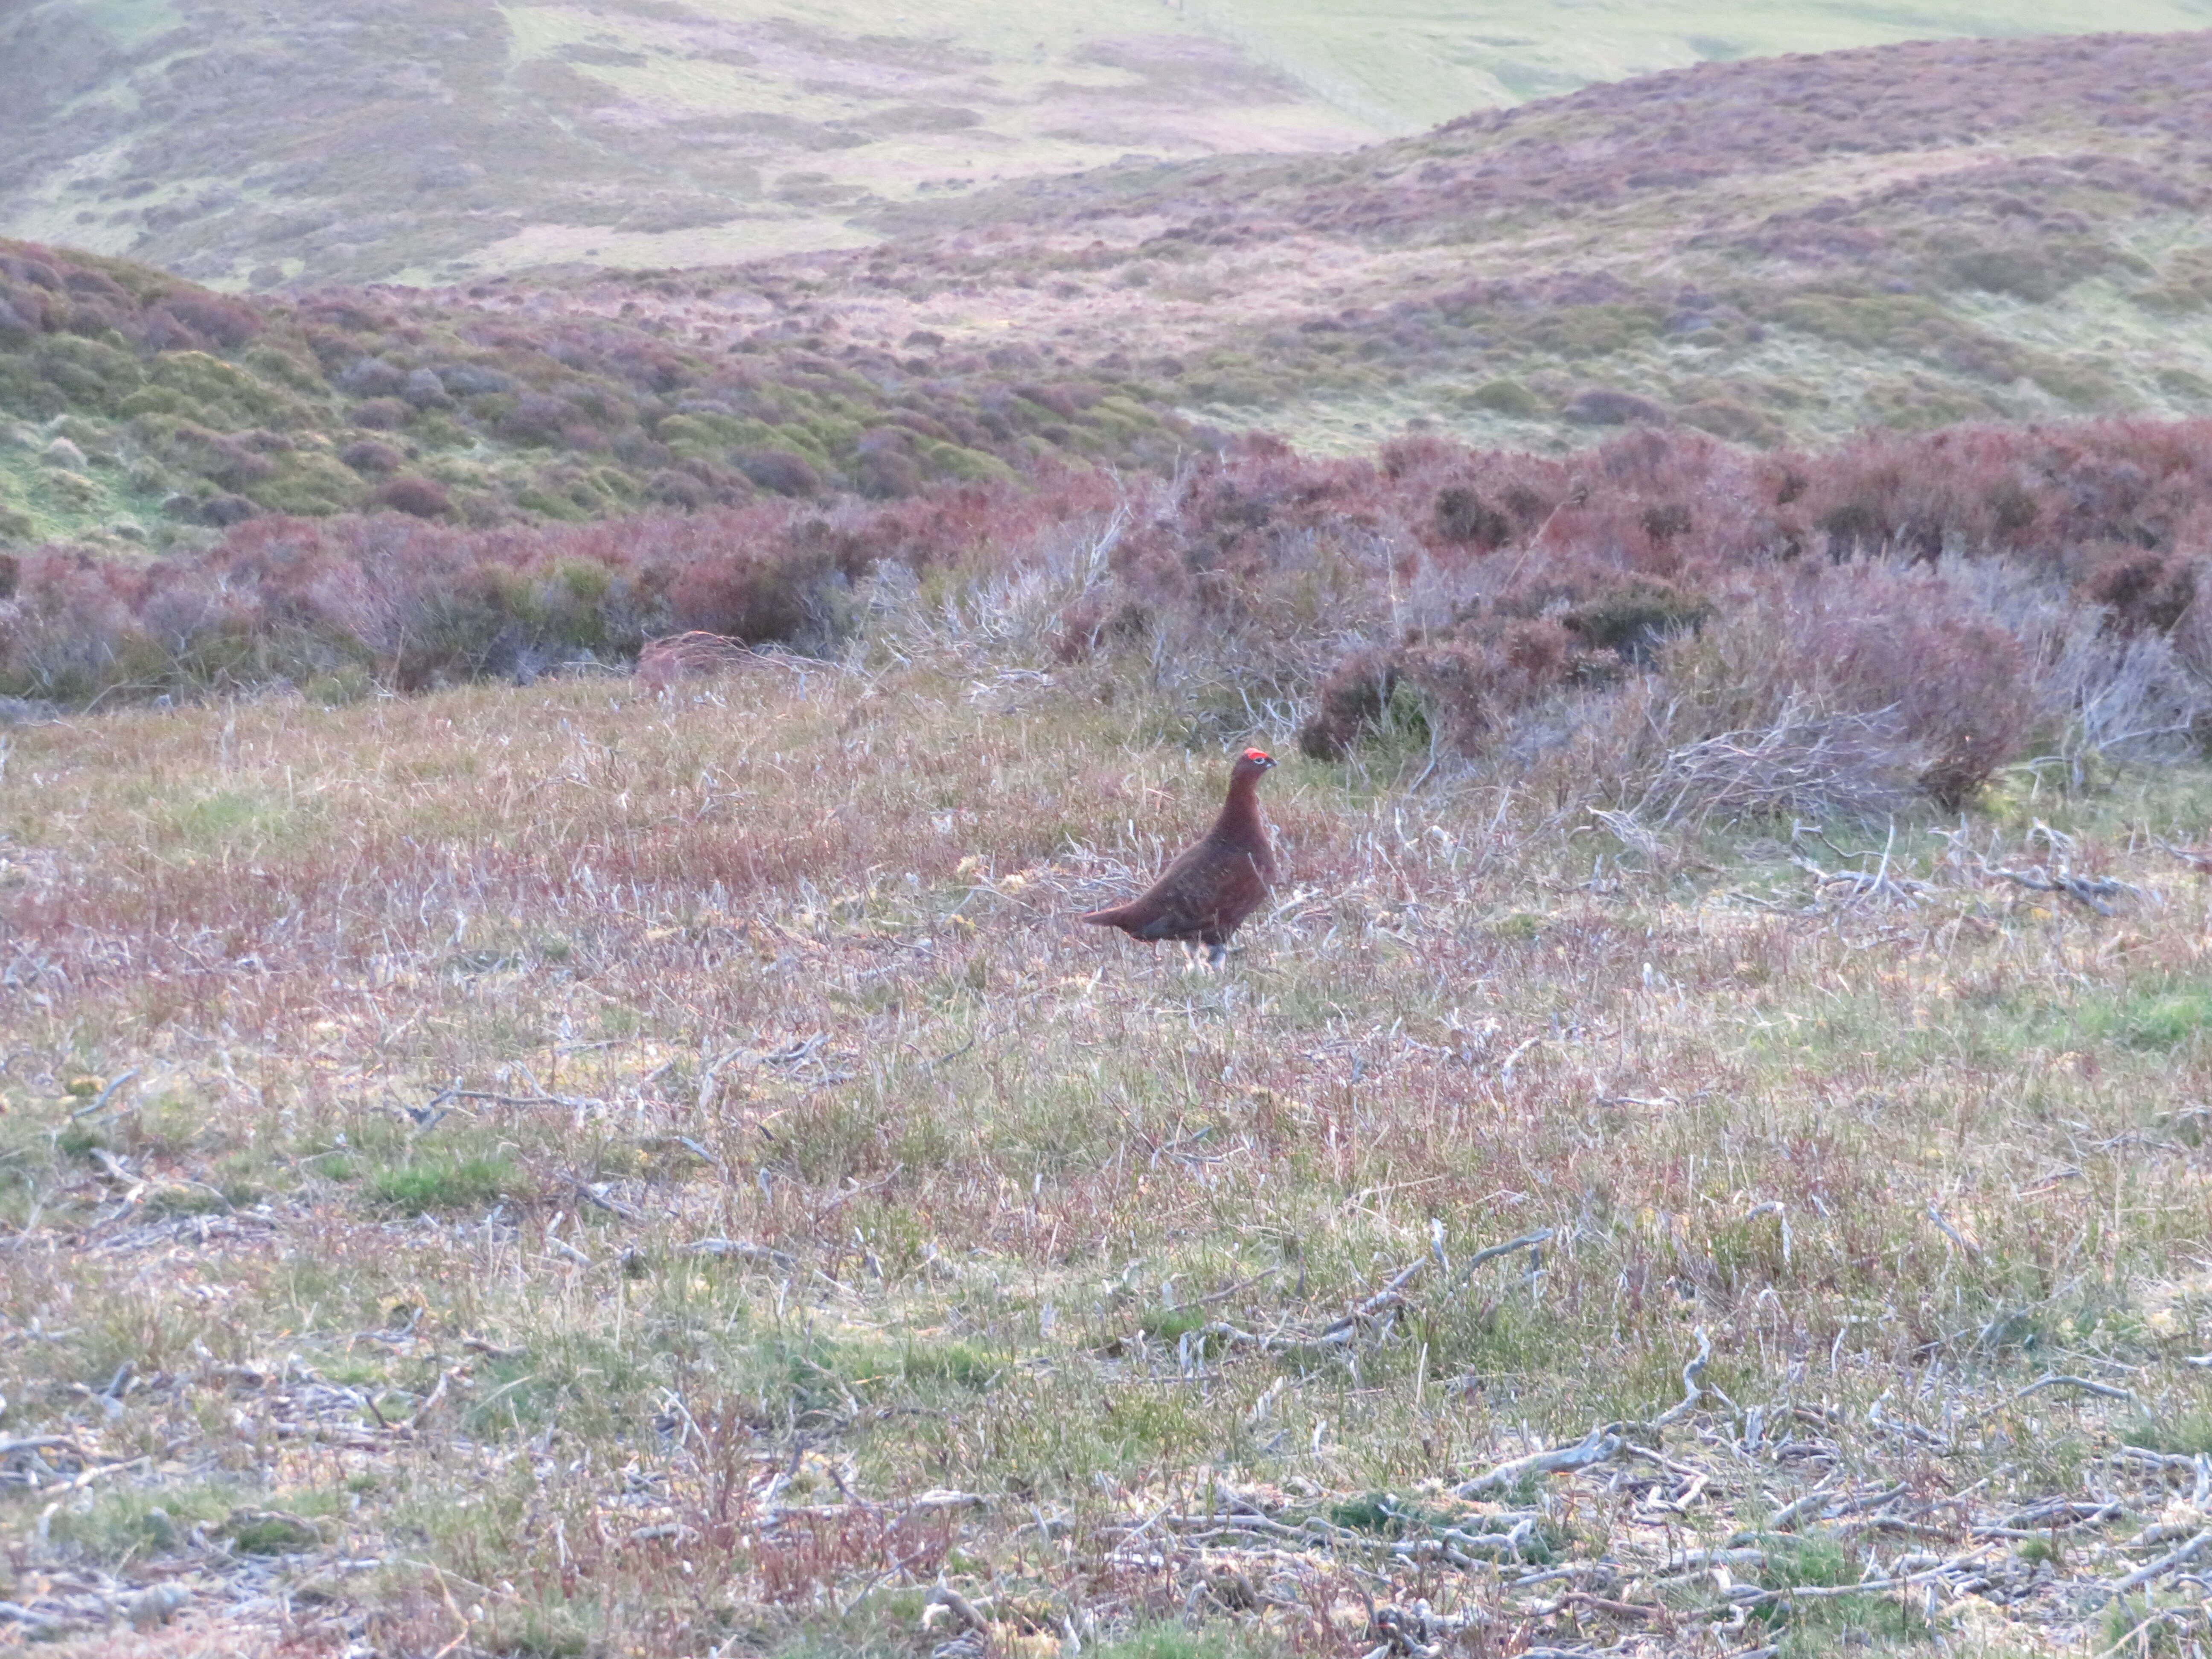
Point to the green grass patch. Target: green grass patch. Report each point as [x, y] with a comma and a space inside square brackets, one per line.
[445, 1180]
[2184, 1433]
[121, 1526]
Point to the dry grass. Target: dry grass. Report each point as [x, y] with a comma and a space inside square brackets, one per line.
[568, 1169]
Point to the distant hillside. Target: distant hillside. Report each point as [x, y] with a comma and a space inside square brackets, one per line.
[1904, 236]
[1771, 250]
[268, 143]
[138, 410]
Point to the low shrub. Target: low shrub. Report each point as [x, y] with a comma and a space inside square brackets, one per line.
[1348, 703]
[1911, 610]
[371, 458]
[1926, 689]
[422, 498]
[780, 471]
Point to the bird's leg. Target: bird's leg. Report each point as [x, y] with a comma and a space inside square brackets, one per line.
[1189, 954]
[1215, 955]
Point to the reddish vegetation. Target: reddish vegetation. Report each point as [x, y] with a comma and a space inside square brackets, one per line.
[422, 498]
[1206, 894]
[1662, 209]
[41, 292]
[696, 655]
[1608, 143]
[419, 602]
[1488, 583]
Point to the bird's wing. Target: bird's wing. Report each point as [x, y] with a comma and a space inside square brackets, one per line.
[1196, 886]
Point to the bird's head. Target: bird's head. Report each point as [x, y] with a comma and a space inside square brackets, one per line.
[1252, 762]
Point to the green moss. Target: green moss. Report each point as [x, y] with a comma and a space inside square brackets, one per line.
[1595, 331]
[569, 496]
[970, 465]
[89, 374]
[1909, 325]
[1384, 1514]
[490, 408]
[266, 1533]
[1726, 417]
[2188, 1434]
[1918, 402]
[24, 390]
[223, 395]
[444, 1181]
[2086, 383]
[702, 433]
[1503, 397]
[808, 442]
[1171, 1325]
[955, 1363]
[2168, 1021]
[295, 372]
[158, 400]
[2038, 272]
[308, 483]
[124, 1525]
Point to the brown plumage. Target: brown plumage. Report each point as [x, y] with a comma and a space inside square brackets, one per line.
[1214, 885]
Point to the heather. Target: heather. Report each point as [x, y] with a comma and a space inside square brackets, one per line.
[296, 145]
[147, 411]
[1781, 254]
[595, 1169]
[1903, 237]
[1939, 605]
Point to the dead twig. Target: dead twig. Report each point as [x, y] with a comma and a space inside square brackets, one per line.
[2164, 1565]
[1693, 1382]
[1600, 1445]
[1531, 1242]
[2102, 1390]
[101, 1100]
[963, 1611]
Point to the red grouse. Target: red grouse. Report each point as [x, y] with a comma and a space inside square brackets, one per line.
[1215, 885]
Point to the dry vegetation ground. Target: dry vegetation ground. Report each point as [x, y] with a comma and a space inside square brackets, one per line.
[577, 1168]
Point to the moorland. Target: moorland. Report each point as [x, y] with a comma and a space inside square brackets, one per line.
[522, 1133]
[1773, 251]
[291, 143]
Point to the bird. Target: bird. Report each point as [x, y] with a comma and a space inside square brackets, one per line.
[1212, 887]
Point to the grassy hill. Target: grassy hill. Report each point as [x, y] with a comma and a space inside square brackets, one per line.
[138, 411]
[1773, 251]
[1791, 248]
[284, 143]
[1705, 1151]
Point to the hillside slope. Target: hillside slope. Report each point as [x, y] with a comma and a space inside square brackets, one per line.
[1773, 251]
[249, 143]
[1903, 236]
[281, 143]
[138, 410]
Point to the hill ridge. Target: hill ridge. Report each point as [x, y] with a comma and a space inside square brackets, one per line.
[1767, 269]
